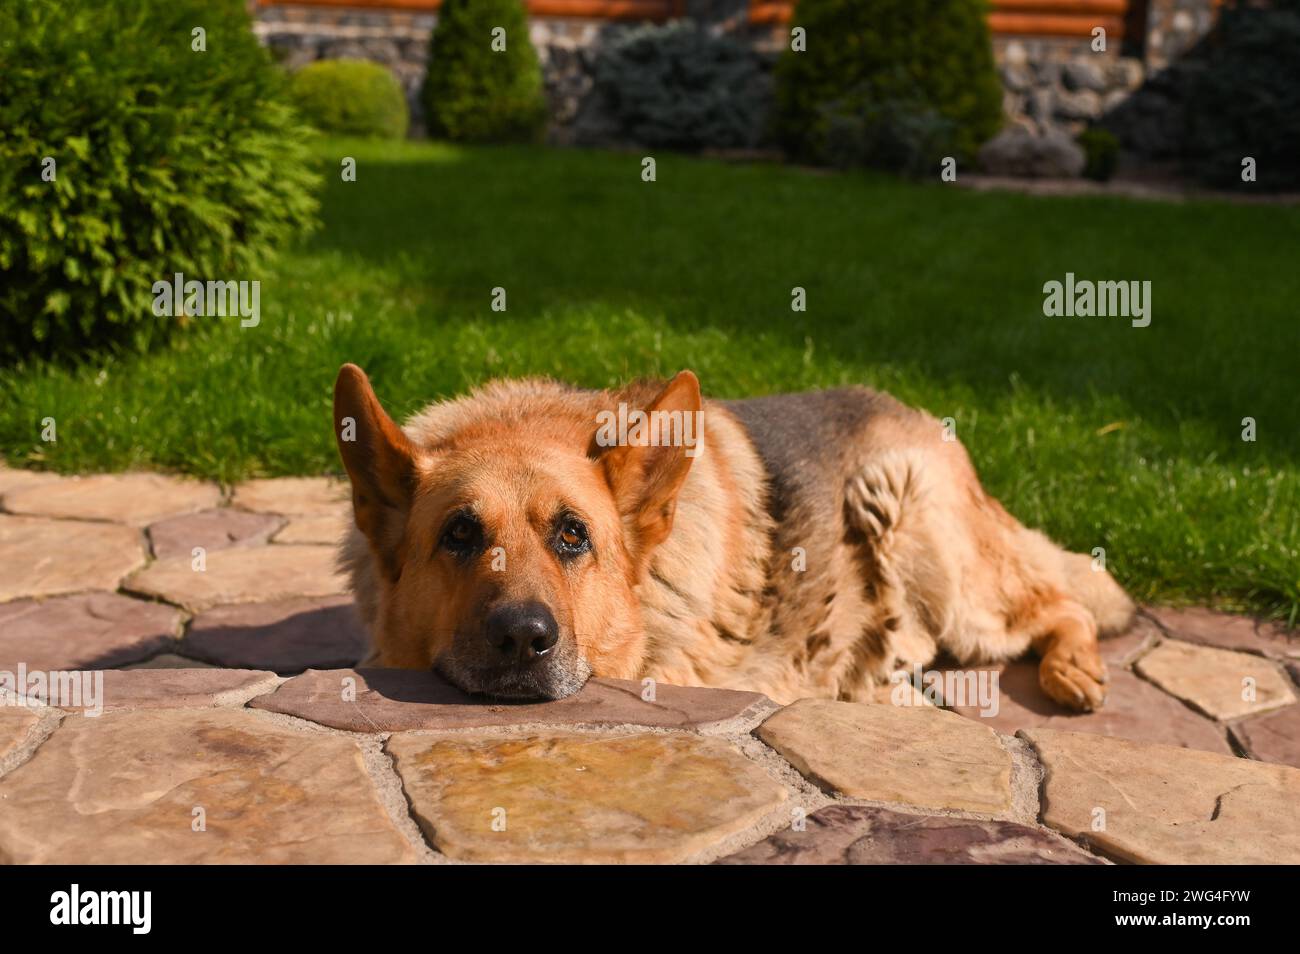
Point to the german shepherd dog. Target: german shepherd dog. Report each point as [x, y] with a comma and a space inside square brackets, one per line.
[801, 545]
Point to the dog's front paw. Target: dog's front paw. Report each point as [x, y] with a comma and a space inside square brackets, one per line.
[1074, 676]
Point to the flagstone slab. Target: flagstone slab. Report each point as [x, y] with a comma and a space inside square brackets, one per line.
[211, 530]
[15, 724]
[292, 495]
[242, 575]
[1162, 805]
[581, 798]
[920, 756]
[1226, 631]
[133, 499]
[12, 479]
[317, 528]
[124, 788]
[391, 700]
[176, 689]
[40, 557]
[1272, 738]
[1134, 709]
[864, 835]
[87, 631]
[1219, 682]
[286, 636]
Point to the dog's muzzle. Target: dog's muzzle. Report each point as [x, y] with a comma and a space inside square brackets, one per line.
[519, 655]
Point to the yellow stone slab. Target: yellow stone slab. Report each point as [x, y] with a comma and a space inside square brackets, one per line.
[575, 798]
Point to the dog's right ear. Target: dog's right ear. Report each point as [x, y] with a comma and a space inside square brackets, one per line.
[380, 461]
[646, 477]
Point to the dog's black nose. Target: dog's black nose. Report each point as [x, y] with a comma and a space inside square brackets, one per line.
[522, 632]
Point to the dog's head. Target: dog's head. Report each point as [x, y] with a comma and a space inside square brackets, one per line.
[506, 549]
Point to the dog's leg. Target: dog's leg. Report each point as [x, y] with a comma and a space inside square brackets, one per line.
[1071, 671]
[909, 593]
[959, 572]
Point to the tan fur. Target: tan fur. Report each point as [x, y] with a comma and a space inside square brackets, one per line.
[904, 554]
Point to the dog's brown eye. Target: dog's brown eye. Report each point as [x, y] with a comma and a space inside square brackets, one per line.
[571, 538]
[462, 535]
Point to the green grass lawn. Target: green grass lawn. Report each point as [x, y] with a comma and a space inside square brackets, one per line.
[1103, 434]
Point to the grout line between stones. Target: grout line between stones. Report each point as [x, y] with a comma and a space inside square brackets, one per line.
[1082, 842]
[384, 779]
[1237, 745]
[48, 720]
[1026, 782]
[391, 793]
[720, 729]
[242, 696]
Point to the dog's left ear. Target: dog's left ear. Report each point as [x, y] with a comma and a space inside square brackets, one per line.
[380, 462]
[646, 478]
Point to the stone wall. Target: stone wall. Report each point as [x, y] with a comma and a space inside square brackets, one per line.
[1175, 27]
[1050, 83]
[399, 39]
[1063, 83]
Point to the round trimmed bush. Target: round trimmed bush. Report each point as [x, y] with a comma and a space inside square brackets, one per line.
[869, 64]
[351, 97]
[473, 93]
[129, 156]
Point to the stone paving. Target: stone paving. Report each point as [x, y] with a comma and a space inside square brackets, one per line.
[231, 725]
